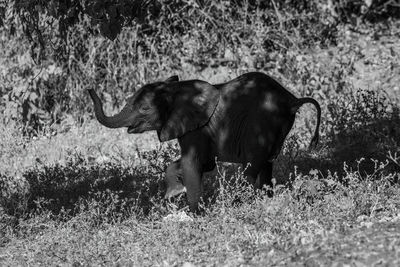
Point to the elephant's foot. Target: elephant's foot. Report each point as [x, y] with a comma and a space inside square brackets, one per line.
[174, 191]
[270, 192]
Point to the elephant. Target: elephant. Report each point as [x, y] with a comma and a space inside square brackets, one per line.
[245, 120]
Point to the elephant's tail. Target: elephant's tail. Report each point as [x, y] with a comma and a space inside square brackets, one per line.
[298, 104]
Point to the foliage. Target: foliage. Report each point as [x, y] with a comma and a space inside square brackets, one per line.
[154, 38]
[111, 16]
[366, 10]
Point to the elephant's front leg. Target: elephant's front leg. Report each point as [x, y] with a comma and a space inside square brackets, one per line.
[196, 155]
[174, 178]
[192, 174]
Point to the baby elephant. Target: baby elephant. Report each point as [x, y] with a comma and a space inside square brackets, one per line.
[245, 120]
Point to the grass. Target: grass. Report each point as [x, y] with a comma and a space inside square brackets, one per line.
[334, 223]
[76, 193]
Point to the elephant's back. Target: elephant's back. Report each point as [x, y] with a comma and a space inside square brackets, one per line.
[255, 90]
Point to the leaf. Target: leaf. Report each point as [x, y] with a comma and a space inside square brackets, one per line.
[53, 8]
[111, 28]
[112, 12]
[33, 96]
[19, 89]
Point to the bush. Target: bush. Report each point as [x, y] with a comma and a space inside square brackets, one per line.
[158, 38]
[172, 36]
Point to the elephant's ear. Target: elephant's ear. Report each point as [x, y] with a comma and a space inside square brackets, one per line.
[171, 79]
[191, 106]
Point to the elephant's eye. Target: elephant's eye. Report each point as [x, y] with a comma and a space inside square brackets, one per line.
[144, 108]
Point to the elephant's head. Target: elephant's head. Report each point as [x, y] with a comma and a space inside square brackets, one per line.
[172, 108]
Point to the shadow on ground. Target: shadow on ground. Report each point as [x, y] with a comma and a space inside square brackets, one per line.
[371, 143]
[109, 188]
[74, 186]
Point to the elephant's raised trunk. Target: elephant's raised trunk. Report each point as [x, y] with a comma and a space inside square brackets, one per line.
[116, 121]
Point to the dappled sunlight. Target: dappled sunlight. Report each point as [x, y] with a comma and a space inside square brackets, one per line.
[73, 192]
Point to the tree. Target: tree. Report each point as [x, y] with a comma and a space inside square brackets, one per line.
[108, 17]
[45, 22]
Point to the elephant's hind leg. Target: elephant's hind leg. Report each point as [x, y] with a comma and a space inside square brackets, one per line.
[260, 175]
[173, 178]
[264, 177]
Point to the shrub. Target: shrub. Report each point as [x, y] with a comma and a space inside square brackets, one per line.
[170, 38]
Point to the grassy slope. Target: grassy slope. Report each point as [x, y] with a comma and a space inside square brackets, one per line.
[314, 222]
